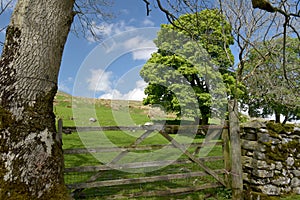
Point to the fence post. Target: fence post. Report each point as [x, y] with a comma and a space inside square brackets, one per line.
[226, 154]
[236, 156]
[60, 127]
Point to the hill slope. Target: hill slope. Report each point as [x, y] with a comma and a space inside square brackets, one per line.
[107, 112]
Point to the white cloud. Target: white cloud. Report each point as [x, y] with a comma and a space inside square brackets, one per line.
[142, 48]
[100, 80]
[135, 94]
[64, 85]
[138, 42]
[148, 22]
[109, 29]
[124, 11]
[64, 88]
[142, 54]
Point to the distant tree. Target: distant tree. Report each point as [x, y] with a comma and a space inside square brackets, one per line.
[189, 58]
[268, 91]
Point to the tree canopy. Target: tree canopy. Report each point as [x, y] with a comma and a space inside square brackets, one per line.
[268, 91]
[185, 74]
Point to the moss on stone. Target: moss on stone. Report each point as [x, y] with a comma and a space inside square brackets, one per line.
[277, 128]
[258, 195]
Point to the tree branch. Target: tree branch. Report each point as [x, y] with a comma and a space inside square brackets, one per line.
[263, 5]
[284, 49]
[4, 6]
[147, 7]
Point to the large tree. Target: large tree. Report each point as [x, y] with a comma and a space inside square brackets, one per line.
[31, 159]
[252, 21]
[189, 58]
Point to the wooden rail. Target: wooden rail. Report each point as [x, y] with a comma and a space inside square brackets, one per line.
[137, 165]
[167, 192]
[70, 129]
[223, 180]
[135, 148]
[148, 179]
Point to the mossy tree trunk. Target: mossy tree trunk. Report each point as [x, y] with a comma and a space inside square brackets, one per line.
[31, 159]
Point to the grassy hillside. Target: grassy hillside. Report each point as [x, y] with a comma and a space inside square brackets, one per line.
[104, 109]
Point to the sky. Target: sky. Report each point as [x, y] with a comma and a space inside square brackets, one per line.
[109, 68]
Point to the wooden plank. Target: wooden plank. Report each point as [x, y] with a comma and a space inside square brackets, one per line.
[136, 142]
[68, 129]
[135, 148]
[123, 153]
[134, 165]
[167, 192]
[226, 154]
[110, 128]
[150, 179]
[236, 155]
[137, 165]
[193, 158]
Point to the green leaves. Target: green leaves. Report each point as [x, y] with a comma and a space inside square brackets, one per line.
[184, 75]
[267, 85]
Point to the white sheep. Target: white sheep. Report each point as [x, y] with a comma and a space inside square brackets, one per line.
[92, 119]
[148, 124]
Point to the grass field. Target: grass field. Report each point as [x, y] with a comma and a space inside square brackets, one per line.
[105, 113]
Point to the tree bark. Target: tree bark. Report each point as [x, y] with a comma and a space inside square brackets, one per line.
[31, 158]
[277, 117]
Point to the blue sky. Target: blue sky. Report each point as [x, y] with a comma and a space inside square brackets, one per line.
[109, 68]
[97, 72]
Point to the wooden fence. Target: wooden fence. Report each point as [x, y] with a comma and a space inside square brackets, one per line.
[200, 166]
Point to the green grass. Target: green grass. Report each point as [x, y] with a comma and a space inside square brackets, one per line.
[138, 115]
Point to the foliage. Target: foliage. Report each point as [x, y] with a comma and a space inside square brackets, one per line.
[185, 74]
[271, 89]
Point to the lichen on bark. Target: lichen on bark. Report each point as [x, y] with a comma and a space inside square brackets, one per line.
[32, 155]
[31, 158]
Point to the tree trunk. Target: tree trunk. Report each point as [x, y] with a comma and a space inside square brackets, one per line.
[204, 120]
[205, 113]
[277, 117]
[286, 118]
[31, 159]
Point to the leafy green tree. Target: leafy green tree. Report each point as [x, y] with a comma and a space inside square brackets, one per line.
[185, 74]
[268, 90]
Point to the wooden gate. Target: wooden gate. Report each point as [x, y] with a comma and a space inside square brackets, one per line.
[200, 170]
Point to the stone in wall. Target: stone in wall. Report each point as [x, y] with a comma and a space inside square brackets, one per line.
[271, 190]
[271, 159]
[281, 181]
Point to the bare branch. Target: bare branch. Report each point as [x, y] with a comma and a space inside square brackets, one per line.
[89, 14]
[4, 5]
[147, 7]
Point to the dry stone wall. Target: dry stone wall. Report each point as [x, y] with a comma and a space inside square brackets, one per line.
[271, 159]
